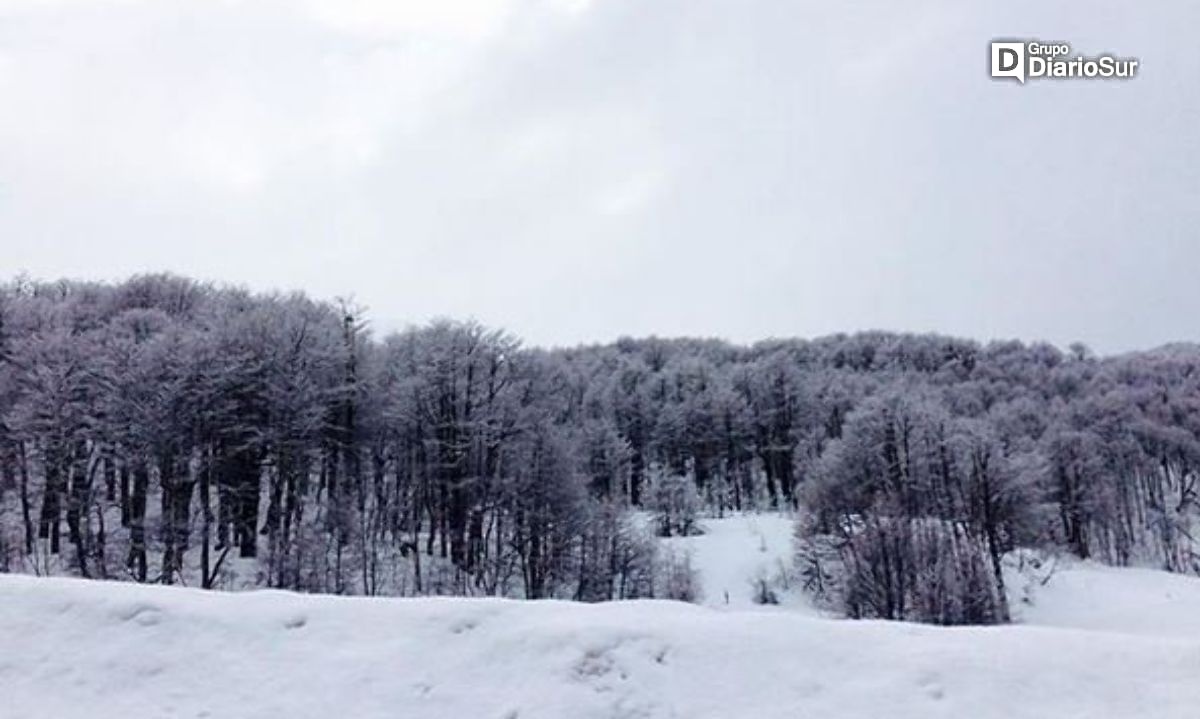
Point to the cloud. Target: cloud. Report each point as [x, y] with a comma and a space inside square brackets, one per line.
[578, 170]
[473, 19]
[631, 193]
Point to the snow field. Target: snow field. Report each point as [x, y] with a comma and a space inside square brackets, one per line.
[1096, 642]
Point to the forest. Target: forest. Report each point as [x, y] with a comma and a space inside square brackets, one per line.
[167, 430]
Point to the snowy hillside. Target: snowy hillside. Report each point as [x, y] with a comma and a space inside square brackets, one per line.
[1086, 595]
[735, 551]
[1113, 643]
[1066, 593]
[96, 650]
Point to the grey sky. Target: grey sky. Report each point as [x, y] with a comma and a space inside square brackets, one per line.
[574, 171]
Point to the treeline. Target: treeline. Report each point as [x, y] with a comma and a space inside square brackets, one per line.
[166, 430]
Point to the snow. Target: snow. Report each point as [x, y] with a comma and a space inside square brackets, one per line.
[103, 650]
[1053, 592]
[1095, 597]
[1093, 642]
[734, 551]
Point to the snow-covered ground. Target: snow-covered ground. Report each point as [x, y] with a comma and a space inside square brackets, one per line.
[735, 551]
[1107, 643]
[1095, 597]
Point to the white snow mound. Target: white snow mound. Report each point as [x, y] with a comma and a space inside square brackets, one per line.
[111, 651]
[1087, 595]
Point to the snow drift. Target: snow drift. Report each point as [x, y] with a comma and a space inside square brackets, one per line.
[104, 651]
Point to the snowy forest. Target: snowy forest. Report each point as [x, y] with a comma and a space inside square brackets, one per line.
[172, 431]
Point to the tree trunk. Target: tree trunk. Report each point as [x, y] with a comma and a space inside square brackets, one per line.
[26, 508]
[137, 521]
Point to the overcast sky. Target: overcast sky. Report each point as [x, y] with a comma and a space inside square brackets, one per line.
[576, 170]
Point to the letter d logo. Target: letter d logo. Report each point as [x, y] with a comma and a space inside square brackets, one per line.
[1008, 60]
